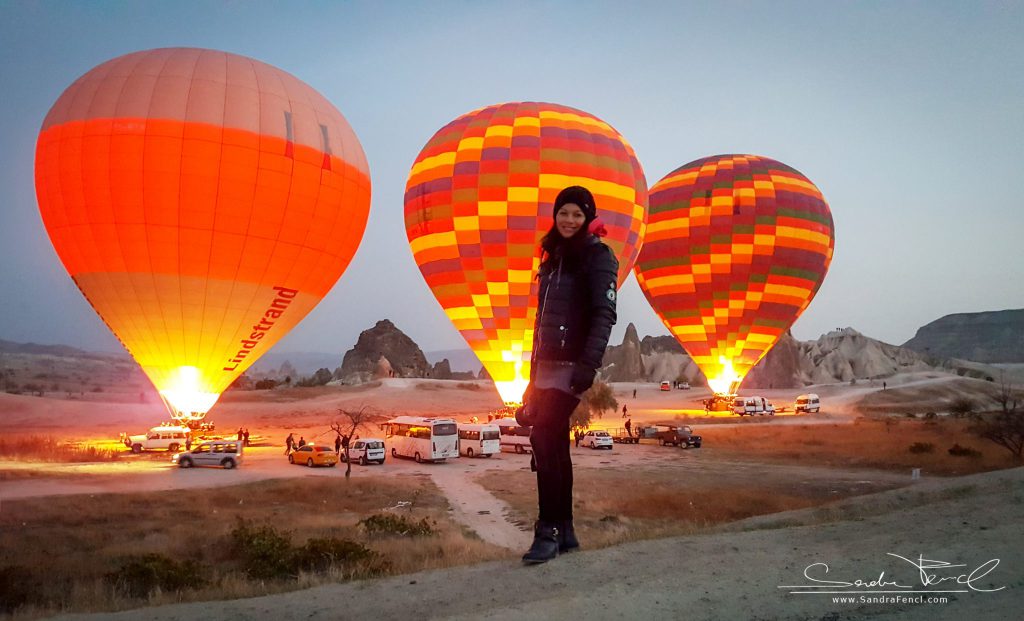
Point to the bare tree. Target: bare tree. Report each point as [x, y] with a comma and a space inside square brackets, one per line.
[1006, 426]
[347, 423]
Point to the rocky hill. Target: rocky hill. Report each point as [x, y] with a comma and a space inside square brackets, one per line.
[382, 351]
[839, 356]
[996, 336]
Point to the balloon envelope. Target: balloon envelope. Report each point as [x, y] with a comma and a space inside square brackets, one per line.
[203, 202]
[478, 201]
[736, 248]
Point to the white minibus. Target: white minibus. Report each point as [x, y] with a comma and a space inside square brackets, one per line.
[479, 440]
[513, 436]
[422, 438]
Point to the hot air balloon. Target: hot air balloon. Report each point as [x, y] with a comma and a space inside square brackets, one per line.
[204, 203]
[736, 248]
[478, 200]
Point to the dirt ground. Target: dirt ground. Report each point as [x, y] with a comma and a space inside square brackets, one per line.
[803, 475]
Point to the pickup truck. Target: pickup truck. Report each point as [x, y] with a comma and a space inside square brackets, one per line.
[166, 438]
[676, 435]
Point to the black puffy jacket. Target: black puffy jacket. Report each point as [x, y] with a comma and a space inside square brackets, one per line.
[576, 306]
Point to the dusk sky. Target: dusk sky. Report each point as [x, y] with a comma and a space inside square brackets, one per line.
[908, 116]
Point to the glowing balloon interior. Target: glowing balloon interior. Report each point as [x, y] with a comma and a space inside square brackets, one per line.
[736, 248]
[478, 200]
[203, 203]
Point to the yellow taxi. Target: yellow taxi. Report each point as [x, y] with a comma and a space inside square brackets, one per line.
[314, 455]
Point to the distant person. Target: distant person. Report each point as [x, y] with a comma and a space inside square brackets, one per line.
[337, 443]
[634, 393]
[302, 441]
[629, 427]
[289, 444]
[188, 442]
[624, 411]
[240, 434]
[577, 435]
[883, 385]
[245, 437]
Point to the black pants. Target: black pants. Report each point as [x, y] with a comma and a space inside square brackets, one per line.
[550, 441]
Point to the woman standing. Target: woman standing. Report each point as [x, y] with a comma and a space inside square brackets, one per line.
[575, 314]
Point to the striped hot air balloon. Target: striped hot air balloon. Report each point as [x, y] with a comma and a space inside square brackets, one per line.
[478, 200]
[736, 248]
[203, 202]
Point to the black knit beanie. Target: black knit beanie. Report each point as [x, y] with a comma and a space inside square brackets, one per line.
[579, 195]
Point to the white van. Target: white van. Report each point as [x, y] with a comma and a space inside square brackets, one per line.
[422, 438]
[365, 450]
[807, 403]
[513, 436]
[750, 406]
[224, 453]
[479, 440]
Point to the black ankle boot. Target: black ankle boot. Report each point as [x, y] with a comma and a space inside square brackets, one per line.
[545, 543]
[567, 538]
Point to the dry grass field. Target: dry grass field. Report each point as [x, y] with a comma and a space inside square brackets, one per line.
[866, 443]
[63, 548]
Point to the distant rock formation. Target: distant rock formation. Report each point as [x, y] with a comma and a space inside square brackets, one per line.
[780, 368]
[845, 354]
[996, 336]
[382, 351]
[441, 370]
[839, 356]
[624, 363]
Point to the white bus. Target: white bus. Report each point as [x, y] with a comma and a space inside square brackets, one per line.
[480, 440]
[513, 436]
[423, 439]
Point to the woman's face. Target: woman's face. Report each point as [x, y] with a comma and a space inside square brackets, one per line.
[569, 219]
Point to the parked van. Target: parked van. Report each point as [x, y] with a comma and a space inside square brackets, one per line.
[224, 453]
[666, 385]
[513, 436]
[750, 406]
[364, 451]
[422, 438]
[808, 403]
[479, 440]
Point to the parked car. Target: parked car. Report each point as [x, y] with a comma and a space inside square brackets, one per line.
[666, 385]
[314, 455]
[224, 453]
[684, 385]
[170, 438]
[807, 403]
[597, 439]
[364, 451]
[674, 435]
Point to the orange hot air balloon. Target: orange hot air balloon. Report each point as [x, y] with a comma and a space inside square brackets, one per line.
[204, 203]
[736, 248]
[478, 200]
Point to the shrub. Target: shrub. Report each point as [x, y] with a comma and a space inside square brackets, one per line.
[961, 407]
[962, 451]
[468, 386]
[18, 586]
[390, 524]
[322, 554]
[265, 384]
[141, 575]
[922, 447]
[930, 416]
[266, 553]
